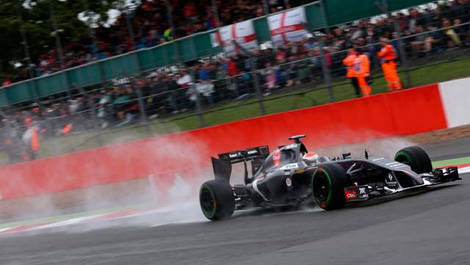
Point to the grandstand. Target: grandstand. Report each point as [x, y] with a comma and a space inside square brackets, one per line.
[151, 26]
[192, 82]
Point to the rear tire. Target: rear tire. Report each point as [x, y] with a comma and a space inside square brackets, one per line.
[216, 200]
[328, 184]
[416, 158]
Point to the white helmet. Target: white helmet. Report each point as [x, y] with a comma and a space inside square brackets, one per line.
[311, 158]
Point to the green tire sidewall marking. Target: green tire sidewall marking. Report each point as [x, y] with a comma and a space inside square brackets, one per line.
[330, 188]
[406, 155]
[209, 214]
[328, 199]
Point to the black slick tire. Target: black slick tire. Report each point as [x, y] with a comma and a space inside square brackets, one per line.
[328, 184]
[216, 200]
[416, 158]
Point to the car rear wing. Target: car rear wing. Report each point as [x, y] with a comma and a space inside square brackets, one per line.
[246, 154]
[223, 165]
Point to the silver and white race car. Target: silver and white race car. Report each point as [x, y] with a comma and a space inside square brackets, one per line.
[291, 175]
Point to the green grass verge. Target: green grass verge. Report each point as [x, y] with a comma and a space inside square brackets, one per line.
[443, 71]
[452, 162]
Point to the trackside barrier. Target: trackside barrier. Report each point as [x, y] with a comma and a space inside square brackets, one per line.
[398, 113]
[455, 96]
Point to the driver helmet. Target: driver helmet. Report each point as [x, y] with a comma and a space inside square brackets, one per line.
[311, 158]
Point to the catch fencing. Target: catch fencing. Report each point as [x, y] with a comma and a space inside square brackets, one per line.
[320, 14]
[153, 103]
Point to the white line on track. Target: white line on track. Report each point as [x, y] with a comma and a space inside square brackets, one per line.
[464, 170]
[5, 229]
[66, 222]
[164, 210]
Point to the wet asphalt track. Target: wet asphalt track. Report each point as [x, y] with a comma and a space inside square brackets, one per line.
[428, 228]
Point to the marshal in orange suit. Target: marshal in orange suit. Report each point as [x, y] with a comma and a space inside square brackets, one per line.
[362, 70]
[351, 74]
[388, 56]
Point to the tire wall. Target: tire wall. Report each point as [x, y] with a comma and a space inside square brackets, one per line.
[389, 114]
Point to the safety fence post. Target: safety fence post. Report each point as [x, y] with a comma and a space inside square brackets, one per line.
[94, 113]
[105, 87]
[199, 107]
[401, 48]
[254, 70]
[259, 93]
[323, 62]
[324, 66]
[140, 100]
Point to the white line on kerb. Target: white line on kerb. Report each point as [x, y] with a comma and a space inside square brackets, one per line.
[464, 170]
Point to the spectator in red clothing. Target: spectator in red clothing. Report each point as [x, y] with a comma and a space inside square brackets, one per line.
[281, 55]
[190, 11]
[328, 59]
[6, 82]
[232, 68]
[147, 6]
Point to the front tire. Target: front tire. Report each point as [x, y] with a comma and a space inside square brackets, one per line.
[216, 200]
[328, 184]
[416, 158]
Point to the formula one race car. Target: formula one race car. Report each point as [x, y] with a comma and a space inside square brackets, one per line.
[291, 175]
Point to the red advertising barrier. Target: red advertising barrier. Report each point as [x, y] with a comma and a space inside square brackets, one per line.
[399, 113]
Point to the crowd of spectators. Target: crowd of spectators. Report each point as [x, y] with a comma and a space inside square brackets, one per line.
[425, 32]
[150, 23]
[181, 88]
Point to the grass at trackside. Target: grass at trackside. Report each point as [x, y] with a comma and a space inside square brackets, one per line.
[302, 97]
[452, 162]
[342, 91]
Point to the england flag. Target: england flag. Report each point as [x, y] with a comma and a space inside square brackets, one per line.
[288, 26]
[243, 33]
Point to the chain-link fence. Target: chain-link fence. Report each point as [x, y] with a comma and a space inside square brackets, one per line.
[218, 89]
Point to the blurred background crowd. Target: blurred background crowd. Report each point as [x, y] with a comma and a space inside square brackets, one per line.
[203, 83]
[150, 26]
